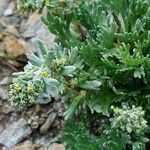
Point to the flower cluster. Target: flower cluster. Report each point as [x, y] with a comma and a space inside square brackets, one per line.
[27, 87]
[130, 120]
[31, 5]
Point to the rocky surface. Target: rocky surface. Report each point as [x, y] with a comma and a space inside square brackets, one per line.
[37, 127]
[15, 133]
[18, 33]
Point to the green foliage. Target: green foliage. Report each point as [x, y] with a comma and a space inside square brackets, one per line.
[102, 60]
[77, 137]
[28, 6]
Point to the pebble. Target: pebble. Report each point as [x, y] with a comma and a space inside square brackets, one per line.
[56, 146]
[43, 100]
[12, 30]
[2, 46]
[14, 46]
[1, 103]
[33, 121]
[1, 36]
[27, 146]
[1, 128]
[15, 133]
[28, 34]
[8, 12]
[3, 6]
[44, 34]
[11, 20]
[57, 106]
[48, 123]
[3, 94]
[6, 80]
[7, 109]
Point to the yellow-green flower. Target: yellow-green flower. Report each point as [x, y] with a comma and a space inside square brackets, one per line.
[44, 74]
[17, 87]
[18, 7]
[46, 2]
[60, 61]
[30, 89]
[116, 110]
[73, 82]
[83, 93]
[119, 118]
[26, 5]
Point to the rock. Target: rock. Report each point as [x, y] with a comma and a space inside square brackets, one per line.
[14, 46]
[11, 20]
[13, 117]
[12, 30]
[56, 124]
[15, 133]
[2, 46]
[28, 34]
[35, 29]
[57, 106]
[33, 121]
[12, 4]
[7, 109]
[27, 146]
[23, 147]
[56, 146]
[1, 36]
[44, 34]
[1, 127]
[48, 123]
[3, 6]
[1, 103]
[6, 81]
[8, 12]
[43, 100]
[3, 93]
[30, 23]
[43, 140]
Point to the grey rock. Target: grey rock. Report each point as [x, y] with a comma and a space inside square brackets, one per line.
[48, 123]
[43, 140]
[35, 29]
[3, 93]
[6, 81]
[43, 99]
[12, 30]
[8, 12]
[56, 146]
[3, 6]
[57, 106]
[11, 20]
[15, 133]
[1, 103]
[7, 109]
[2, 127]
[28, 33]
[2, 46]
[44, 34]
[1, 35]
